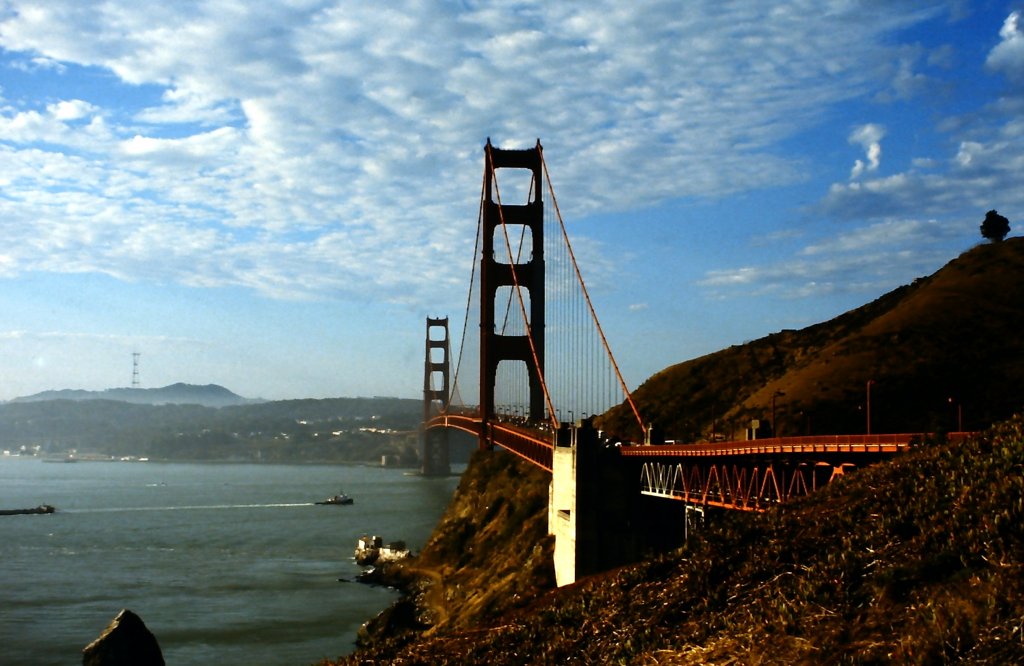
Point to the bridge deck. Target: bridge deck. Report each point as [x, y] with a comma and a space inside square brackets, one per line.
[747, 475]
[867, 444]
[532, 444]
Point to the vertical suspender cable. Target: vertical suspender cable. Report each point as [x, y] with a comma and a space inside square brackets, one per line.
[590, 306]
[472, 280]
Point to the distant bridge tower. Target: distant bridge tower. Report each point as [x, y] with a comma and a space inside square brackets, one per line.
[436, 366]
[498, 269]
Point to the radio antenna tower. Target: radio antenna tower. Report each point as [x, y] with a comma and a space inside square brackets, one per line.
[135, 369]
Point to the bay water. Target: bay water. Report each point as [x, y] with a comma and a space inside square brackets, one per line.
[225, 563]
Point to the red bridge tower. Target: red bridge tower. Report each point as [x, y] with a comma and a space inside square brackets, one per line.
[501, 269]
[436, 366]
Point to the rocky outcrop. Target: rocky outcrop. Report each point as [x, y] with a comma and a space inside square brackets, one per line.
[125, 642]
[490, 553]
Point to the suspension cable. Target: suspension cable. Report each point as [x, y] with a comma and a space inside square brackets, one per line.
[469, 298]
[586, 295]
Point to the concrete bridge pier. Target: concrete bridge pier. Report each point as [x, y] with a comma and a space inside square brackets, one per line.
[590, 505]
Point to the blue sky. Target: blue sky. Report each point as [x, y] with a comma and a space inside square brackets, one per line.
[272, 196]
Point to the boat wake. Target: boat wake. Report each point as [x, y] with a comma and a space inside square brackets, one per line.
[189, 507]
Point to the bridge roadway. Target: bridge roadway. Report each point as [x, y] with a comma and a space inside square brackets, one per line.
[810, 444]
[749, 475]
[534, 445]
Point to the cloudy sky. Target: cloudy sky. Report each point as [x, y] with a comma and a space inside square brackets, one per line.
[272, 196]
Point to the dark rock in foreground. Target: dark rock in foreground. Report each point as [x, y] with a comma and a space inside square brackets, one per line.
[125, 642]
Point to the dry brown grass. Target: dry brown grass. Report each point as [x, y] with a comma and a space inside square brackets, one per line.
[918, 561]
[955, 334]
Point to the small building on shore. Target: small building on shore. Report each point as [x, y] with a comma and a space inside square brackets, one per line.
[372, 550]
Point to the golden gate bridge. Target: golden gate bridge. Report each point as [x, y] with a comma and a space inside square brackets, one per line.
[540, 367]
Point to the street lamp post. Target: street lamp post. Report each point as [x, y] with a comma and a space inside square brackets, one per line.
[775, 432]
[870, 383]
[959, 414]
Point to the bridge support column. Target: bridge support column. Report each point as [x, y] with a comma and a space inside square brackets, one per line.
[590, 505]
[497, 271]
[436, 391]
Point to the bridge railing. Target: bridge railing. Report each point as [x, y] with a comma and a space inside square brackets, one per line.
[886, 443]
[530, 443]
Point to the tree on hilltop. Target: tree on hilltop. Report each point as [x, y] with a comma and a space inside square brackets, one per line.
[995, 227]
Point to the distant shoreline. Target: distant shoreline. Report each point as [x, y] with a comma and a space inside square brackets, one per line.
[211, 461]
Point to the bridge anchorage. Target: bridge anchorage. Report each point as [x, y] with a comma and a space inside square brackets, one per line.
[545, 364]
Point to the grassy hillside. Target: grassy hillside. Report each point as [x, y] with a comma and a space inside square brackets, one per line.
[944, 349]
[916, 561]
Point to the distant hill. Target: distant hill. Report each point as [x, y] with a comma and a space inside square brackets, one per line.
[210, 395]
[327, 430]
[943, 353]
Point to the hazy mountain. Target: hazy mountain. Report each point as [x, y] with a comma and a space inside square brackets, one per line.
[210, 395]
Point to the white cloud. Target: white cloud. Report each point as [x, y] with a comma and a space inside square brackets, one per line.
[71, 109]
[871, 259]
[968, 150]
[869, 137]
[37, 64]
[731, 277]
[899, 226]
[311, 148]
[70, 336]
[887, 234]
[983, 173]
[206, 147]
[1008, 55]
